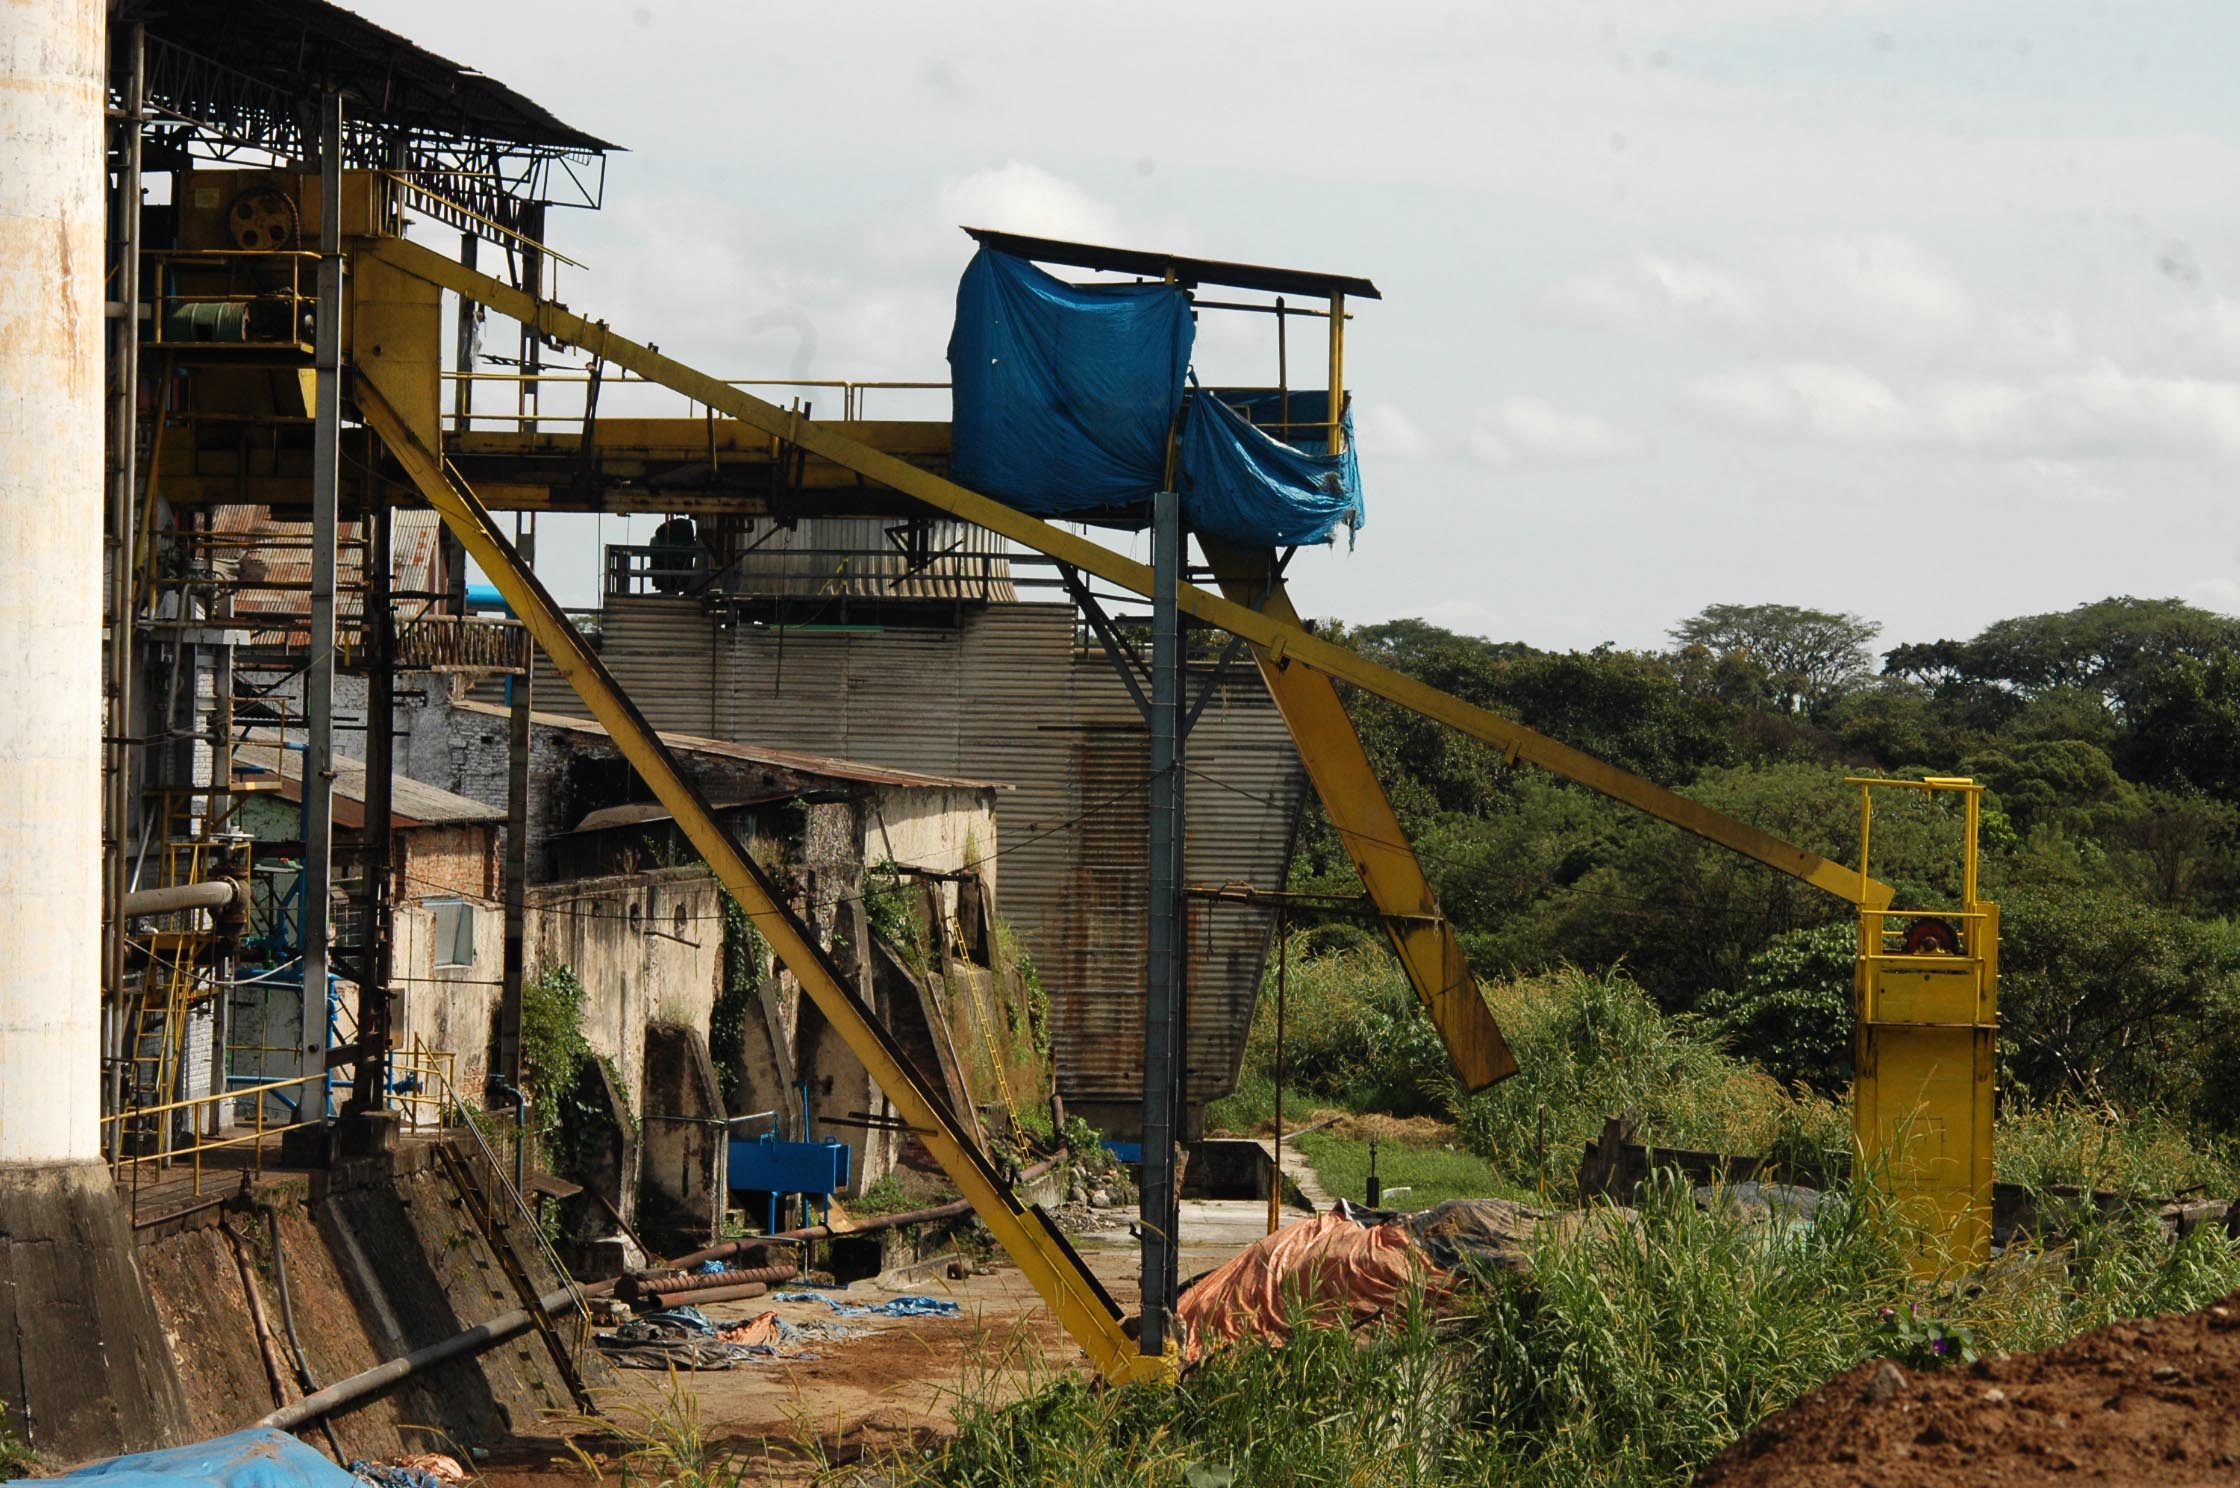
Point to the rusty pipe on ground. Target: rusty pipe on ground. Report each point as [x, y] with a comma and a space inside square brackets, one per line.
[211, 894]
[738, 1292]
[673, 1283]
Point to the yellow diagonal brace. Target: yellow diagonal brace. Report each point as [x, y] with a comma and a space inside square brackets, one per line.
[1284, 643]
[1362, 816]
[1027, 1234]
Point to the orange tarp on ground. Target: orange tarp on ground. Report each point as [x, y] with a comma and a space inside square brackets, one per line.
[1328, 1267]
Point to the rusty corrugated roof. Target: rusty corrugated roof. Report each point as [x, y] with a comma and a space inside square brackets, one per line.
[412, 803]
[753, 754]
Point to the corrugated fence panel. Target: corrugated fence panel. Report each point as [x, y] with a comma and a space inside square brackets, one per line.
[662, 651]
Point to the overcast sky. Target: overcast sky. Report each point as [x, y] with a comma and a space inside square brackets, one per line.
[1928, 312]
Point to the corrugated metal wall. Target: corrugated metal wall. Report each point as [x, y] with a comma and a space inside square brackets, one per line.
[825, 557]
[1006, 699]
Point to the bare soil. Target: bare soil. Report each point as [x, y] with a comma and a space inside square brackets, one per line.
[895, 1389]
[2149, 1402]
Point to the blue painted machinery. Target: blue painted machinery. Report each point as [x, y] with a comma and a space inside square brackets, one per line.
[812, 1168]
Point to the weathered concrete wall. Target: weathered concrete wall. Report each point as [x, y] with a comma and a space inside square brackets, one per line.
[83, 1368]
[450, 1007]
[377, 1266]
[648, 948]
[682, 1173]
[52, 80]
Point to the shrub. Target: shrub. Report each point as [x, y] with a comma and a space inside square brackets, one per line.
[1792, 1012]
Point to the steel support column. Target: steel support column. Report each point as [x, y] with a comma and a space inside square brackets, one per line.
[519, 690]
[1163, 990]
[124, 447]
[318, 682]
[369, 1084]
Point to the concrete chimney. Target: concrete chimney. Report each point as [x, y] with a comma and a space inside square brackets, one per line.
[83, 1366]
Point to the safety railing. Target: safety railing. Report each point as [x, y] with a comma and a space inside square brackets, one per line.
[118, 1130]
[421, 1082]
[497, 1182]
[853, 392]
[420, 1079]
[769, 571]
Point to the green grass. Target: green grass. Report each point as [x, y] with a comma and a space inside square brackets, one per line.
[1430, 1175]
[1634, 1350]
[2144, 1152]
[1640, 1342]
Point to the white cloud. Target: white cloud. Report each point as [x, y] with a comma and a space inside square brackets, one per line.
[1388, 434]
[1518, 428]
[1825, 400]
[1656, 288]
[2103, 411]
[1885, 287]
[1023, 198]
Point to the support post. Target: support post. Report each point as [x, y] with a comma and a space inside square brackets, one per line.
[318, 682]
[369, 1084]
[462, 359]
[124, 448]
[1162, 1027]
[1283, 990]
[519, 690]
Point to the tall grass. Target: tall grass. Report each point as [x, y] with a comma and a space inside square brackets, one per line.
[1636, 1348]
[1640, 1342]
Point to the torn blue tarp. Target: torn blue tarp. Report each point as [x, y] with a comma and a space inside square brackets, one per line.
[1064, 396]
[912, 1306]
[244, 1459]
[1245, 484]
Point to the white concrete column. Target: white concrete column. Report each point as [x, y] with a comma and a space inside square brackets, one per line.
[52, 75]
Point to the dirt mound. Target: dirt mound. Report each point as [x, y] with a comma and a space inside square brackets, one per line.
[2156, 1401]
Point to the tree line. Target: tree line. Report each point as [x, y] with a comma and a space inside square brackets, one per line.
[2108, 737]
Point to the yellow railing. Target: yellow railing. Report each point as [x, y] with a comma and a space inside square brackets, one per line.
[426, 1108]
[430, 1104]
[118, 1132]
[851, 391]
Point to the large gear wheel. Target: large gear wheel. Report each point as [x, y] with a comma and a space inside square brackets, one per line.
[264, 219]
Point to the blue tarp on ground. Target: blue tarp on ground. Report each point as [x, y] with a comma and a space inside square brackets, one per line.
[245, 1459]
[1243, 484]
[1063, 396]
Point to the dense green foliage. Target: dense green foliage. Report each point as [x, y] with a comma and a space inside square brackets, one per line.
[2109, 738]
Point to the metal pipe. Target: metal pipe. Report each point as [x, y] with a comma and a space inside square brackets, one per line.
[125, 444]
[676, 1283]
[736, 1292]
[369, 1383]
[212, 894]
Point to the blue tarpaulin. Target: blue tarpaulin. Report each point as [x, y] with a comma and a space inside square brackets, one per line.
[1064, 396]
[1241, 483]
[245, 1459]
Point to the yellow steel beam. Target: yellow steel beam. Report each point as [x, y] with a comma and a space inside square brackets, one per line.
[1283, 643]
[1026, 1233]
[1362, 816]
